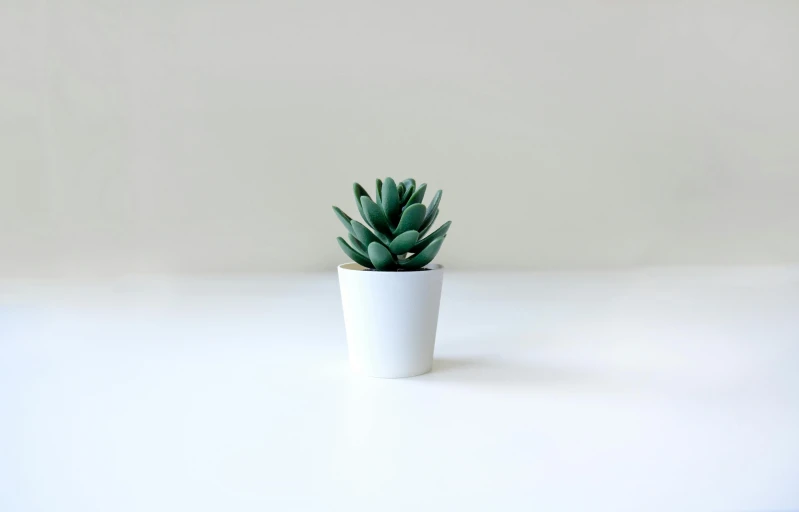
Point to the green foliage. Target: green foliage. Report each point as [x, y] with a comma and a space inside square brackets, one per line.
[357, 257]
[424, 257]
[380, 256]
[398, 222]
[404, 242]
[435, 235]
[412, 218]
[391, 202]
[344, 218]
[357, 245]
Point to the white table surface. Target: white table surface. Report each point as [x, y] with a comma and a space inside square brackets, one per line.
[647, 390]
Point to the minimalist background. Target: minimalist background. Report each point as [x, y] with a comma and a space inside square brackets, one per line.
[210, 136]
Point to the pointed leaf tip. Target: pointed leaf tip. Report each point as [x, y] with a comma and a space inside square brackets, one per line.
[418, 196]
[358, 191]
[410, 187]
[433, 207]
[344, 218]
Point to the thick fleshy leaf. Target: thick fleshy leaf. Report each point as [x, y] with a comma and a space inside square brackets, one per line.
[357, 245]
[364, 234]
[423, 243]
[391, 204]
[404, 242]
[344, 218]
[381, 257]
[359, 192]
[354, 255]
[423, 258]
[383, 238]
[375, 216]
[411, 219]
[417, 196]
[409, 183]
[378, 188]
[400, 190]
[410, 187]
[428, 223]
[433, 206]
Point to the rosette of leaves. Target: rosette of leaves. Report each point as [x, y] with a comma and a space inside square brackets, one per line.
[394, 233]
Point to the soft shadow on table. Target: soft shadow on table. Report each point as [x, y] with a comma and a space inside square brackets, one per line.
[488, 371]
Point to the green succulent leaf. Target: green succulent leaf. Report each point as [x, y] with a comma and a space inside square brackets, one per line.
[410, 186]
[427, 224]
[417, 196]
[357, 245]
[423, 258]
[404, 242]
[354, 255]
[432, 208]
[391, 204]
[411, 219]
[423, 243]
[344, 218]
[375, 216]
[364, 234]
[393, 233]
[359, 192]
[381, 257]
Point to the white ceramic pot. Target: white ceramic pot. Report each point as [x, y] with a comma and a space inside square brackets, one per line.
[391, 319]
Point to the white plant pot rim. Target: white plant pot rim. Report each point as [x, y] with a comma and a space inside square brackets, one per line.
[354, 267]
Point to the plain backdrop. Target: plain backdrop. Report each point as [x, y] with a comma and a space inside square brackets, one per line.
[214, 136]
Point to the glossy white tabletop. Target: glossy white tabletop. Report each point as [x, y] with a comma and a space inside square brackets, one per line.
[650, 390]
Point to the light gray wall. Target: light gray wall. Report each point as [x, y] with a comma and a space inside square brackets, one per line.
[213, 136]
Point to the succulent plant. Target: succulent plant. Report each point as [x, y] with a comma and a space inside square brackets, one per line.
[398, 221]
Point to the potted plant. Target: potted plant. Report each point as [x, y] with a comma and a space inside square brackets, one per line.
[391, 293]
